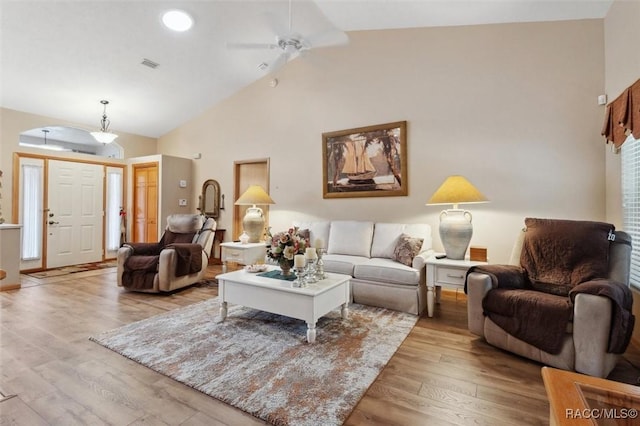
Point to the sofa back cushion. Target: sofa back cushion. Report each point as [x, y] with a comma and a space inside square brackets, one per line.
[318, 232]
[205, 236]
[350, 237]
[420, 230]
[182, 228]
[184, 223]
[560, 254]
[385, 238]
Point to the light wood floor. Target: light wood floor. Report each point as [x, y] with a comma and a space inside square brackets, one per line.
[440, 375]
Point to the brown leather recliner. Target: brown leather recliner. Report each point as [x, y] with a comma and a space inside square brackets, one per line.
[179, 259]
[597, 327]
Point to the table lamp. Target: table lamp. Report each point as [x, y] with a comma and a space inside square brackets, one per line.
[455, 224]
[253, 222]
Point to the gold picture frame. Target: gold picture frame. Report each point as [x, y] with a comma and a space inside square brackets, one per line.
[365, 162]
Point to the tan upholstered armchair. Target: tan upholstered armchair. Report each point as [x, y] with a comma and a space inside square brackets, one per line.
[178, 260]
[564, 300]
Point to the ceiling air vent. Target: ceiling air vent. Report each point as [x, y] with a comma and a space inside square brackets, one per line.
[149, 63]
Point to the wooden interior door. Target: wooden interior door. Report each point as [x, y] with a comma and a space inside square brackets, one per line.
[145, 202]
[249, 172]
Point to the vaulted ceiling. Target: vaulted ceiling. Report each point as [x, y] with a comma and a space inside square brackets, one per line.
[60, 58]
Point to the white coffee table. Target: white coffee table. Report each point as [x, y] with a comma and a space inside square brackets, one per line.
[280, 297]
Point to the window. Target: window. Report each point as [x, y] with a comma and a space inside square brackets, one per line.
[32, 196]
[631, 201]
[114, 205]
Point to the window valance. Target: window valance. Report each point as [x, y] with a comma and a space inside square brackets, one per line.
[623, 116]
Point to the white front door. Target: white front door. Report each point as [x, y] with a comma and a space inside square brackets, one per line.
[74, 220]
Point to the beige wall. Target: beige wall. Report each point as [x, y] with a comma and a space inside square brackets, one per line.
[622, 62]
[622, 65]
[12, 123]
[512, 107]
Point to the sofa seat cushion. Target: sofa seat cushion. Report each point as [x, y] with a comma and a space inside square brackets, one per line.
[387, 271]
[342, 264]
[538, 318]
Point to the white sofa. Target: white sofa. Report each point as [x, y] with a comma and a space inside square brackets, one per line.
[365, 250]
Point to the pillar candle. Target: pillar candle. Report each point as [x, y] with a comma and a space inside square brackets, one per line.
[310, 253]
[319, 243]
[298, 261]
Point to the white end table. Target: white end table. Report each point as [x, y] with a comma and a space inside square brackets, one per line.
[244, 254]
[445, 272]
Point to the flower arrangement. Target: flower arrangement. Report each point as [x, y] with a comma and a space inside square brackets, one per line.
[285, 245]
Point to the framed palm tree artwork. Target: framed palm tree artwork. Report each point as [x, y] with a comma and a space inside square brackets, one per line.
[365, 162]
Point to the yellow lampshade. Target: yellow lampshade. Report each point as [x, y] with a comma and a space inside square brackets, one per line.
[457, 190]
[255, 194]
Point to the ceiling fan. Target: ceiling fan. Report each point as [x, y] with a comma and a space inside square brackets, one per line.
[291, 43]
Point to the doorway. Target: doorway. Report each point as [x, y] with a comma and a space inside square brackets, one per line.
[145, 202]
[74, 219]
[248, 172]
[60, 203]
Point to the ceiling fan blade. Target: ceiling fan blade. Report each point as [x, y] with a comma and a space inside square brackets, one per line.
[333, 37]
[251, 45]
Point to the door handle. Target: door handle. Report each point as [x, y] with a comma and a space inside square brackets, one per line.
[51, 222]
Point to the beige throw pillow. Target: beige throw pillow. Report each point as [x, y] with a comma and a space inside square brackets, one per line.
[406, 249]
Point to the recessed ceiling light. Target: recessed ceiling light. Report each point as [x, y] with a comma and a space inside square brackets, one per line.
[177, 20]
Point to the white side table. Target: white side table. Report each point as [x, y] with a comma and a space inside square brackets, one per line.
[244, 254]
[445, 272]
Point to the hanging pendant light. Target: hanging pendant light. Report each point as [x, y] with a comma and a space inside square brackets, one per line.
[104, 136]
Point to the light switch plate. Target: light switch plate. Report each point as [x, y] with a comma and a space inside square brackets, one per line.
[183, 183]
[182, 202]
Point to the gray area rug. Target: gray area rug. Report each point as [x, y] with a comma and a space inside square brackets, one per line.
[261, 362]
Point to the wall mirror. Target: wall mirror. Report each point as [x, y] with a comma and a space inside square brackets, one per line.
[210, 199]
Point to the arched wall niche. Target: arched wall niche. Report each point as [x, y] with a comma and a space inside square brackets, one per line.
[69, 139]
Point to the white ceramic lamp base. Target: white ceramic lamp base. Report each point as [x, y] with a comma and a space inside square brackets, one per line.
[455, 232]
[253, 224]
